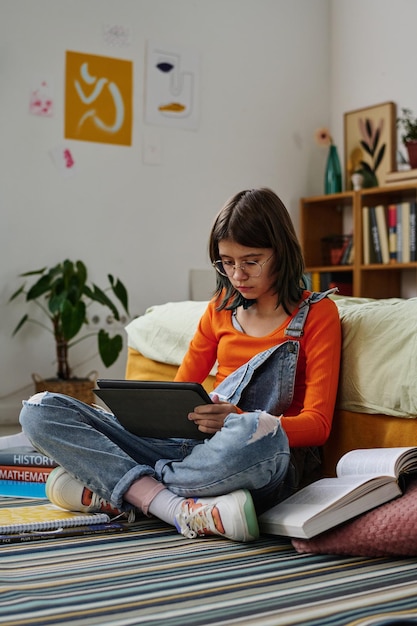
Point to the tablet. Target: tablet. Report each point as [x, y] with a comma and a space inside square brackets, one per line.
[154, 408]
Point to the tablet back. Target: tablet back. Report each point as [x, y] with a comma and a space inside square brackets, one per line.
[154, 408]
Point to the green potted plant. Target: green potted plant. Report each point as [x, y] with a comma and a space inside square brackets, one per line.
[407, 123]
[63, 294]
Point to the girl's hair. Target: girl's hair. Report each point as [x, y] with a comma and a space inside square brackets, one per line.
[257, 218]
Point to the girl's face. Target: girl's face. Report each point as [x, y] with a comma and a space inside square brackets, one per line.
[252, 281]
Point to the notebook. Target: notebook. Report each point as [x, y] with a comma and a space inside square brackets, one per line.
[44, 517]
[154, 408]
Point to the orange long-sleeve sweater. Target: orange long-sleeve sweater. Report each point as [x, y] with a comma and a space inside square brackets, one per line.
[308, 420]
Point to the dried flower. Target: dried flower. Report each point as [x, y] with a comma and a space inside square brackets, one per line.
[323, 137]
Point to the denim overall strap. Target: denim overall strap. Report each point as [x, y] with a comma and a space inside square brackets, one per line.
[266, 382]
[296, 327]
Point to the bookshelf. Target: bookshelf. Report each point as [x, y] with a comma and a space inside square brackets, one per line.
[327, 218]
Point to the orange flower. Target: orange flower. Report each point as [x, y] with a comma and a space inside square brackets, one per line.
[323, 137]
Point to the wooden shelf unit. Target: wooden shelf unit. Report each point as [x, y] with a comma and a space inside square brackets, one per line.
[341, 214]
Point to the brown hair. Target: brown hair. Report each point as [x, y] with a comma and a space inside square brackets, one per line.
[257, 218]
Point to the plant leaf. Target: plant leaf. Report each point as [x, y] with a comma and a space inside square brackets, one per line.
[120, 292]
[17, 293]
[33, 272]
[72, 318]
[98, 295]
[20, 324]
[109, 347]
[42, 286]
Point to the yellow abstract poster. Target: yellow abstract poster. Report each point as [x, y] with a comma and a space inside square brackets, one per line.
[98, 99]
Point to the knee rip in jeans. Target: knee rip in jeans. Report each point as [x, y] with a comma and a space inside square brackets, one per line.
[36, 398]
[267, 425]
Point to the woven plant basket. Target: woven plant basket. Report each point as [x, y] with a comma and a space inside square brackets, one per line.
[80, 388]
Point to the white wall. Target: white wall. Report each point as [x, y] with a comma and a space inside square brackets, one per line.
[373, 49]
[272, 71]
[264, 90]
[373, 52]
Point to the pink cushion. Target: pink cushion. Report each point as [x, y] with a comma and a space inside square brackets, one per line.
[388, 530]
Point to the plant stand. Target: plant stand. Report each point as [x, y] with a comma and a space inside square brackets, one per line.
[80, 388]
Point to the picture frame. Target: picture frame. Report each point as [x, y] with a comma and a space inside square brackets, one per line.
[370, 140]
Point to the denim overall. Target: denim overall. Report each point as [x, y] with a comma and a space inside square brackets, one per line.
[267, 381]
[251, 450]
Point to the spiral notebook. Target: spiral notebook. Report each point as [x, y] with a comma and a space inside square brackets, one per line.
[41, 517]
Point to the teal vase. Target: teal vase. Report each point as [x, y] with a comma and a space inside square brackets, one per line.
[333, 173]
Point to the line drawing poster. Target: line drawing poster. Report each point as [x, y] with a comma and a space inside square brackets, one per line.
[172, 87]
[98, 99]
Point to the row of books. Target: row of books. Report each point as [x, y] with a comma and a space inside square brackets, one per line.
[322, 281]
[389, 233]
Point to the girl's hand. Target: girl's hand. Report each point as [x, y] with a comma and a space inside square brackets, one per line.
[210, 417]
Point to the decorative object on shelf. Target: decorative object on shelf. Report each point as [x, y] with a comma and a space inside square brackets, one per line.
[62, 294]
[357, 181]
[408, 124]
[333, 171]
[370, 143]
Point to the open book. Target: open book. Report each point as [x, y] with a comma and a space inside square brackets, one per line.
[365, 479]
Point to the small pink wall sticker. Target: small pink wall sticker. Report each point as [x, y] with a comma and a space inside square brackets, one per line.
[41, 99]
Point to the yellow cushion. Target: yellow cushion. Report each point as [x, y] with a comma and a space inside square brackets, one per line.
[139, 367]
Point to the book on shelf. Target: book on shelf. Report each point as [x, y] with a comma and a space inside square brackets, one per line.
[44, 517]
[413, 242]
[366, 230]
[375, 251]
[399, 234]
[25, 455]
[22, 489]
[25, 473]
[365, 479]
[405, 231]
[392, 232]
[382, 227]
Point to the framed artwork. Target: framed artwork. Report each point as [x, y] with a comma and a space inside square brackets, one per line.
[370, 139]
[98, 98]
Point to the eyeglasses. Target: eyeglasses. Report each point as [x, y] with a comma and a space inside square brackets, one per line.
[250, 268]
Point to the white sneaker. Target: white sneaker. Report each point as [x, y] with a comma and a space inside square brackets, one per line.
[68, 493]
[232, 516]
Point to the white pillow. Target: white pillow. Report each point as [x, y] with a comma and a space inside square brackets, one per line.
[164, 332]
[379, 359]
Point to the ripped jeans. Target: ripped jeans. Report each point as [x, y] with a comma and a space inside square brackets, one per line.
[250, 452]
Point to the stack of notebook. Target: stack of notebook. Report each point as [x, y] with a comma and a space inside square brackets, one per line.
[34, 522]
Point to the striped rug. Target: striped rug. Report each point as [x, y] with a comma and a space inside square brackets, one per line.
[151, 575]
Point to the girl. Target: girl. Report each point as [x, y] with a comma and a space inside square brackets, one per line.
[278, 351]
